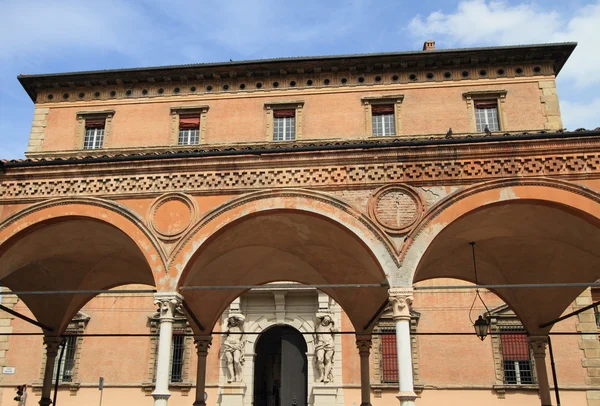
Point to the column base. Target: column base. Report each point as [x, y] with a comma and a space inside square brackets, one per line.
[199, 403]
[406, 398]
[232, 394]
[365, 404]
[45, 402]
[161, 399]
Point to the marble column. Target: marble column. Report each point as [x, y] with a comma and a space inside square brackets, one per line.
[538, 348]
[364, 343]
[401, 300]
[202, 346]
[167, 303]
[52, 344]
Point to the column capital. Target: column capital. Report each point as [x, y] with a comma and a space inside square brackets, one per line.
[401, 300]
[538, 345]
[364, 343]
[52, 343]
[168, 303]
[202, 344]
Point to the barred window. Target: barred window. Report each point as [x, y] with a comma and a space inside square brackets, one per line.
[383, 120]
[67, 363]
[189, 129]
[486, 114]
[284, 125]
[177, 351]
[94, 133]
[516, 357]
[389, 357]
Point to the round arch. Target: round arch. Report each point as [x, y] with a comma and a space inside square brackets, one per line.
[74, 244]
[526, 231]
[291, 235]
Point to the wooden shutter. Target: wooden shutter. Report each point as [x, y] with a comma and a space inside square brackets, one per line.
[515, 346]
[389, 357]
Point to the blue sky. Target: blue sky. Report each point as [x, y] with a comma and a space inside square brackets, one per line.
[72, 35]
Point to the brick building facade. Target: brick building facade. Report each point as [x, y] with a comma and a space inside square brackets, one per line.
[304, 226]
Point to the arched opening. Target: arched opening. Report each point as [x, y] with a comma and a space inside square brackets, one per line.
[519, 242]
[284, 245]
[70, 254]
[281, 368]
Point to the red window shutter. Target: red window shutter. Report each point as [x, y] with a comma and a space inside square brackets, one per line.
[381, 109]
[189, 122]
[95, 122]
[514, 347]
[284, 113]
[486, 104]
[389, 359]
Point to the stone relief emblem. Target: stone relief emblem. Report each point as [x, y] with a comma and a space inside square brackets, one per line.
[171, 215]
[233, 348]
[325, 347]
[396, 208]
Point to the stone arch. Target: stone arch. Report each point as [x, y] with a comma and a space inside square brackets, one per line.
[75, 244]
[290, 199]
[522, 203]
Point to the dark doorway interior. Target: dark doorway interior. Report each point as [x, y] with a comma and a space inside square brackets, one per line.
[280, 368]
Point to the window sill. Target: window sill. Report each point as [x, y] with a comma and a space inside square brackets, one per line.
[72, 386]
[183, 387]
[502, 389]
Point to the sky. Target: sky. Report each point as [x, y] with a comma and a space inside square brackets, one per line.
[72, 35]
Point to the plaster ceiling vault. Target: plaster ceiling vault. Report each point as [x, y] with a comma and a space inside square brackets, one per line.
[69, 254]
[284, 245]
[520, 243]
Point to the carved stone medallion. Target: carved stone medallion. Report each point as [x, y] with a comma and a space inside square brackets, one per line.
[172, 214]
[396, 208]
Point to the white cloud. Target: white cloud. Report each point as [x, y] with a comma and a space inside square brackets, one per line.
[480, 22]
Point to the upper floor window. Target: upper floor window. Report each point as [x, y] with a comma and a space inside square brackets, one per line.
[93, 128]
[284, 125]
[284, 120]
[382, 115]
[383, 120]
[177, 357]
[189, 130]
[188, 124]
[516, 358]
[485, 110]
[94, 133]
[486, 115]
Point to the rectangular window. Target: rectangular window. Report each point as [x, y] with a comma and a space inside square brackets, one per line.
[596, 298]
[284, 125]
[389, 358]
[383, 120]
[189, 130]
[94, 133]
[486, 114]
[177, 350]
[67, 363]
[516, 358]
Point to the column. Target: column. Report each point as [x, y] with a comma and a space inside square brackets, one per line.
[363, 342]
[167, 303]
[538, 347]
[52, 344]
[401, 299]
[202, 345]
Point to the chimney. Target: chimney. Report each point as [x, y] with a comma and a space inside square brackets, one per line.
[429, 45]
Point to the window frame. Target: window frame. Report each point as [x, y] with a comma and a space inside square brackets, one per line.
[386, 323]
[270, 107]
[395, 100]
[177, 111]
[81, 130]
[77, 326]
[180, 327]
[486, 95]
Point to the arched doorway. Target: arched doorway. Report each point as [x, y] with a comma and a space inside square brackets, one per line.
[280, 368]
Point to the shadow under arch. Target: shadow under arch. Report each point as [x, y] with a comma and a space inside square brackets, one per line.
[527, 231]
[294, 236]
[63, 245]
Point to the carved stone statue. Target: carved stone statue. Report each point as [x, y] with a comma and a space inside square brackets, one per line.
[233, 347]
[325, 347]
